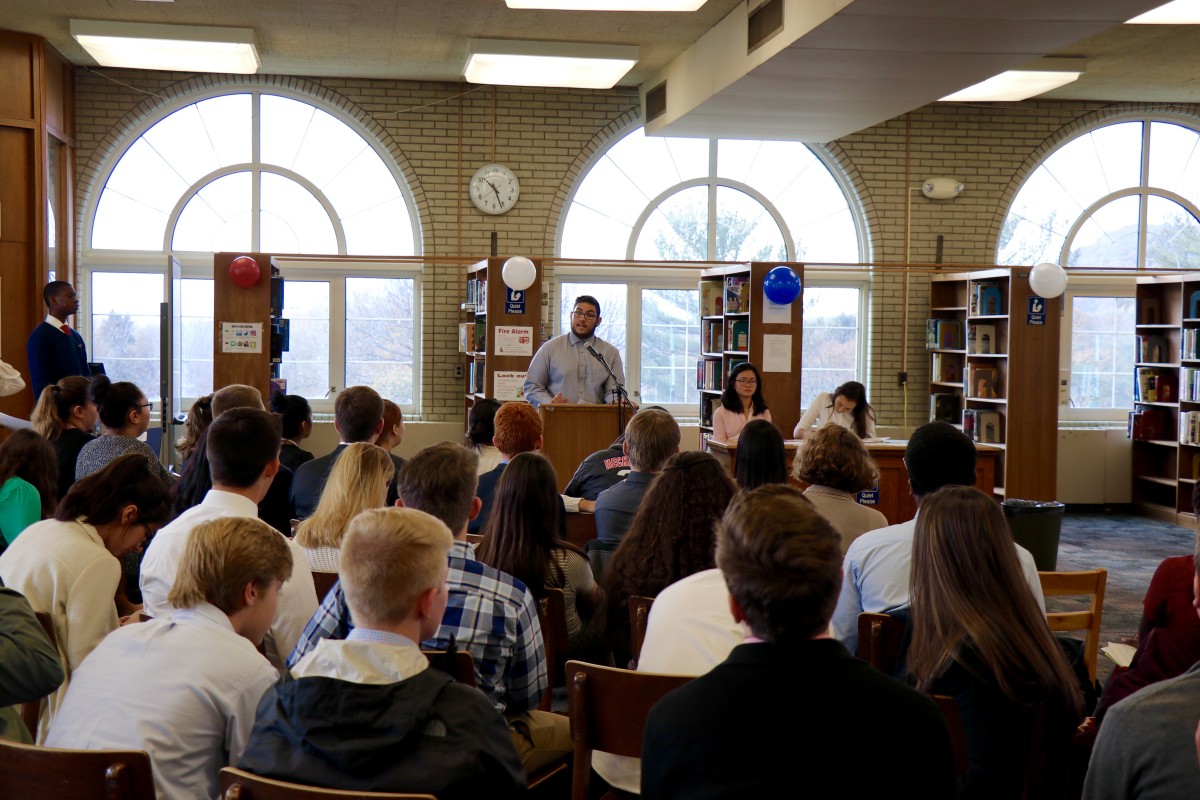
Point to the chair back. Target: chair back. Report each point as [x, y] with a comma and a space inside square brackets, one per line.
[29, 771]
[31, 710]
[608, 708]
[639, 613]
[323, 582]
[1036, 776]
[1088, 583]
[552, 616]
[475, 539]
[599, 552]
[463, 668]
[880, 637]
[239, 785]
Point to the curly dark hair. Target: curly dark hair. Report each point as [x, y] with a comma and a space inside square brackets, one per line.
[31, 457]
[834, 456]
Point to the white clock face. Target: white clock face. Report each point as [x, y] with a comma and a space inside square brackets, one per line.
[494, 189]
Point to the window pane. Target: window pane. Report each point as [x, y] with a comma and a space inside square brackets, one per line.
[306, 364]
[293, 221]
[657, 163]
[613, 303]
[1102, 352]
[196, 337]
[1109, 237]
[125, 309]
[217, 219]
[677, 230]
[1175, 160]
[830, 355]
[203, 137]
[379, 336]
[1172, 236]
[670, 344]
[745, 230]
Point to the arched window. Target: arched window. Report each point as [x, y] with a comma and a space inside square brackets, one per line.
[252, 170]
[669, 199]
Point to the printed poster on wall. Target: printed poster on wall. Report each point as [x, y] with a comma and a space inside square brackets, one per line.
[777, 352]
[241, 337]
[508, 385]
[513, 340]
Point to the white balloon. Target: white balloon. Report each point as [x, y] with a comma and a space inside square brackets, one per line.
[519, 273]
[1048, 279]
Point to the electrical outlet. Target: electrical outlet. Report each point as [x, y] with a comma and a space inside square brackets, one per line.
[458, 370]
[903, 377]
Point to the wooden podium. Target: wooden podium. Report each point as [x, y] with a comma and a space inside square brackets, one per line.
[574, 432]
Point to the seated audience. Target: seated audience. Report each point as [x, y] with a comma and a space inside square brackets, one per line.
[357, 417]
[393, 428]
[28, 482]
[242, 449]
[66, 415]
[124, 416]
[68, 567]
[651, 437]
[488, 613]
[29, 665]
[597, 472]
[878, 564]
[672, 536]
[836, 466]
[761, 458]
[184, 689]
[367, 713]
[199, 417]
[780, 560]
[480, 430]
[296, 414]
[518, 429]
[521, 539]
[359, 481]
[979, 636]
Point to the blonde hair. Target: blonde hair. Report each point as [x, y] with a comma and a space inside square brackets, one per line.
[53, 409]
[236, 395]
[357, 482]
[223, 555]
[653, 437]
[388, 558]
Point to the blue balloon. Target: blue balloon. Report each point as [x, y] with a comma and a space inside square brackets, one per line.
[782, 285]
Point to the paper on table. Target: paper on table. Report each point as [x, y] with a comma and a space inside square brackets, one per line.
[1121, 654]
[777, 352]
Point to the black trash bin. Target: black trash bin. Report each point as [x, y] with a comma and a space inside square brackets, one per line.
[1036, 525]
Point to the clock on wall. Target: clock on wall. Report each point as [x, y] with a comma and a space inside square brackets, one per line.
[494, 189]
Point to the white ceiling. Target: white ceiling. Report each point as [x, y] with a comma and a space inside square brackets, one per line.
[871, 61]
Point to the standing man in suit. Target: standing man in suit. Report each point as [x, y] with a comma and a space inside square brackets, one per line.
[55, 349]
[357, 417]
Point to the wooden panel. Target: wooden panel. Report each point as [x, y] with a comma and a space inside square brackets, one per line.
[232, 303]
[18, 313]
[60, 95]
[16, 75]
[17, 186]
[574, 432]
[780, 389]
[1032, 421]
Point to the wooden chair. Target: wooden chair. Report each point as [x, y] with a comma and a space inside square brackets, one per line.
[464, 665]
[475, 539]
[1090, 583]
[879, 640]
[639, 613]
[608, 712]
[46, 773]
[31, 710]
[552, 615]
[239, 785]
[323, 581]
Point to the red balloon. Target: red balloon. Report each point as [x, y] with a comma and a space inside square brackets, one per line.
[244, 272]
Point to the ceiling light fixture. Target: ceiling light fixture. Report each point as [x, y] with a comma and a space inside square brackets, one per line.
[1020, 84]
[187, 48]
[608, 5]
[577, 65]
[1179, 12]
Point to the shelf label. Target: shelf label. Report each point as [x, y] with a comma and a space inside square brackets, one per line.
[1037, 311]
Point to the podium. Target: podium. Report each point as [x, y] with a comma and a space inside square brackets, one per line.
[573, 432]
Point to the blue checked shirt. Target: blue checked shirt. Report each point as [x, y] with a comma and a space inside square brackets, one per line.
[488, 613]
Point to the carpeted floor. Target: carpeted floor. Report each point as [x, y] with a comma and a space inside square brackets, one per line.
[1130, 547]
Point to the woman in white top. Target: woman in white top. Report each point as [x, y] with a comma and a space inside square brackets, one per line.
[741, 402]
[847, 406]
[358, 481]
[836, 465]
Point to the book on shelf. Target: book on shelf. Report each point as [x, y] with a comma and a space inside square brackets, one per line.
[1194, 304]
[984, 382]
[986, 300]
[1147, 424]
[464, 337]
[1156, 385]
[708, 405]
[1189, 427]
[480, 337]
[1151, 349]
[737, 294]
[708, 373]
[981, 339]
[945, 408]
[714, 336]
[943, 334]
[711, 302]
[947, 368]
[981, 425]
[1189, 385]
[739, 335]
[1189, 344]
[1149, 311]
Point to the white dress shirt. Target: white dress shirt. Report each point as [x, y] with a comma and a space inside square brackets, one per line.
[821, 412]
[184, 689]
[563, 365]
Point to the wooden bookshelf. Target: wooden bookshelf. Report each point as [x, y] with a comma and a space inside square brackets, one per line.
[996, 379]
[486, 313]
[732, 332]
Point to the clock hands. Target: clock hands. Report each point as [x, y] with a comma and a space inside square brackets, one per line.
[494, 189]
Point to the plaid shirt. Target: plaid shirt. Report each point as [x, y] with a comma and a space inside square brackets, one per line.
[488, 613]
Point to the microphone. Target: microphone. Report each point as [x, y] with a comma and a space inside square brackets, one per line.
[595, 355]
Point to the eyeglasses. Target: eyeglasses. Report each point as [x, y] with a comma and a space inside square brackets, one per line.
[747, 381]
[584, 314]
[148, 406]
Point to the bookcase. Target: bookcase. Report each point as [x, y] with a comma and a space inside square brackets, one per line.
[498, 333]
[993, 370]
[1165, 421]
[736, 326]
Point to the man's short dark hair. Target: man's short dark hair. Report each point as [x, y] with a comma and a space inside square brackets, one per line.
[357, 411]
[441, 481]
[587, 298]
[241, 442]
[938, 454]
[53, 288]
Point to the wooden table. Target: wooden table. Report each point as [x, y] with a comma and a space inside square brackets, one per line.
[894, 499]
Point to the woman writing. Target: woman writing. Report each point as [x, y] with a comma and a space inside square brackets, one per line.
[847, 406]
[741, 402]
[66, 415]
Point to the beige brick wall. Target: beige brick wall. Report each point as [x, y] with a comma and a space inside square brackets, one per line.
[549, 137]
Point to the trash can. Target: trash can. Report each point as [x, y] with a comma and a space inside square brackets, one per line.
[1036, 525]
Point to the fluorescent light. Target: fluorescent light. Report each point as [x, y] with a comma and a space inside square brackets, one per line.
[1020, 84]
[608, 5]
[186, 48]
[1180, 12]
[577, 65]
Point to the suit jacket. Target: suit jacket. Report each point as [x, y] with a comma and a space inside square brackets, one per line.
[54, 355]
[309, 481]
[486, 492]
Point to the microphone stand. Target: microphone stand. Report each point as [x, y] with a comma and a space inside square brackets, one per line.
[618, 390]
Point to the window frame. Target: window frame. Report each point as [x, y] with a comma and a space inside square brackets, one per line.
[1092, 286]
[845, 280]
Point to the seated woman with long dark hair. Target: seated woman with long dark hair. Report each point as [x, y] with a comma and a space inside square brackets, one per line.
[761, 457]
[847, 406]
[979, 636]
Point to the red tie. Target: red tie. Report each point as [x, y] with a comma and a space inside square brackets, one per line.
[66, 329]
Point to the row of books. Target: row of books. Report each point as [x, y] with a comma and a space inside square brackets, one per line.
[708, 405]
[1189, 347]
[984, 382]
[986, 299]
[712, 300]
[947, 368]
[472, 337]
[981, 339]
[1156, 385]
[712, 337]
[477, 293]
[1152, 349]
[943, 334]
[983, 426]
[737, 294]
[1189, 385]
[1147, 424]
[476, 372]
[1189, 427]
[708, 374]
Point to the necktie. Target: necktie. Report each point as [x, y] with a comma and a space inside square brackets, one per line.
[66, 329]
